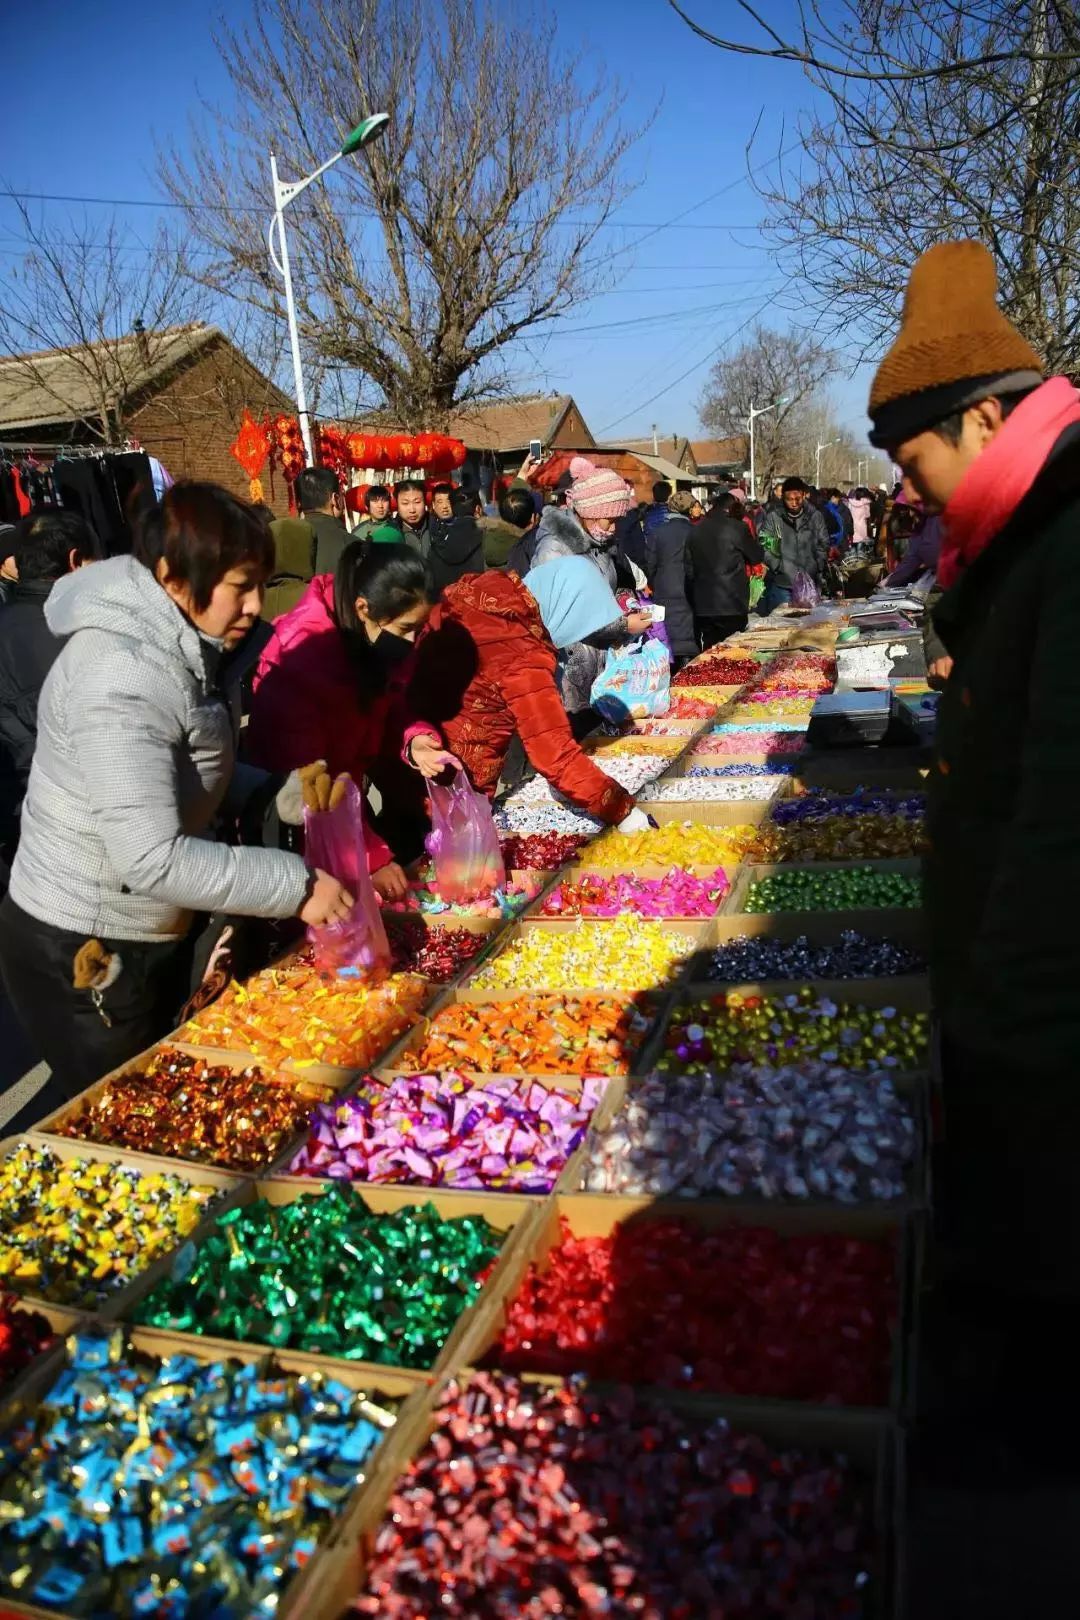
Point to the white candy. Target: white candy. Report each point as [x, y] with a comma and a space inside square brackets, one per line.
[682, 788]
[541, 818]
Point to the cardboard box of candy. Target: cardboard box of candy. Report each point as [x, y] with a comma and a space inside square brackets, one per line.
[698, 887]
[854, 1457]
[88, 1227]
[707, 812]
[520, 1134]
[510, 1032]
[139, 1540]
[800, 1306]
[739, 944]
[624, 954]
[375, 1277]
[867, 894]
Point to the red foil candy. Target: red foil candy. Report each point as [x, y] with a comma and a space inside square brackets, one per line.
[437, 954]
[718, 672]
[540, 852]
[530, 1503]
[737, 1311]
[23, 1335]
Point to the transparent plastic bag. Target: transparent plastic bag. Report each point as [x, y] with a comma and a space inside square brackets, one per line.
[334, 840]
[463, 843]
[804, 593]
[635, 680]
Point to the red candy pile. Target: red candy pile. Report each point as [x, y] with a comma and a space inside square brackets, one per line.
[737, 1311]
[540, 852]
[437, 953]
[718, 672]
[529, 1503]
[23, 1335]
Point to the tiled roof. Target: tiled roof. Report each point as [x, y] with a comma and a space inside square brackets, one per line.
[509, 424]
[55, 386]
[720, 452]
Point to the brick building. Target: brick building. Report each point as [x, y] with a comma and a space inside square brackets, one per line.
[179, 392]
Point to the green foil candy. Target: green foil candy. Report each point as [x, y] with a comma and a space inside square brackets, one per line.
[325, 1273]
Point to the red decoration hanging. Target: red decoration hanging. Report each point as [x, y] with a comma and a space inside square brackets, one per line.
[333, 452]
[251, 448]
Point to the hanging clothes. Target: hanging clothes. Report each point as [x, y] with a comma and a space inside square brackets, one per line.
[133, 479]
[163, 478]
[84, 486]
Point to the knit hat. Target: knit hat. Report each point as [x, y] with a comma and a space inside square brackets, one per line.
[682, 501]
[954, 346]
[597, 492]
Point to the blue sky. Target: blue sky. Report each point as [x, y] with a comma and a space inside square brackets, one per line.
[120, 73]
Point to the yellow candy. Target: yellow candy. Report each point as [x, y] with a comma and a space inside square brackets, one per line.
[681, 844]
[626, 953]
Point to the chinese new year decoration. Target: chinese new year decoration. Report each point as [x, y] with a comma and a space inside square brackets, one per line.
[289, 449]
[251, 448]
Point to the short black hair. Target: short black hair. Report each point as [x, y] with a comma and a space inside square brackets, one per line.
[722, 502]
[200, 532]
[411, 483]
[465, 503]
[952, 426]
[791, 484]
[377, 492]
[315, 488]
[662, 491]
[444, 489]
[516, 507]
[43, 541]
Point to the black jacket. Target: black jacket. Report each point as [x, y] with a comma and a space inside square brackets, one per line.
[795, 543]
[1003, 873]
[331, 538]
[28, 649]
[668, 557]
[457, 548]
[721, 546]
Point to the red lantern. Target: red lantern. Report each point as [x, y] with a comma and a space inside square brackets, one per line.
[406, 450]
[424, 450]
[251, 448]
[358, 446]
[458, 453]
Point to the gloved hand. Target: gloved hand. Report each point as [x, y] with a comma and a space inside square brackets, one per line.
[636, 821]
[290, 796]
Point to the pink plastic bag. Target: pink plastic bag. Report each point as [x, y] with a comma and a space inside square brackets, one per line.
[463, 843]
[334, 840]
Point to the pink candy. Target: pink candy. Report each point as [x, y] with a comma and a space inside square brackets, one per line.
[446, 1130]
[676, 894]
[752, 744]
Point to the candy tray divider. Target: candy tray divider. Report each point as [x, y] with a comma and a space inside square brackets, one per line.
[111, 1306]
[598, 1214]
[511, 1213]
[301, 1598]
[871, 1443]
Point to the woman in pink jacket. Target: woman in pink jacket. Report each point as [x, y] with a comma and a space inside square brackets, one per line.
[330, 683]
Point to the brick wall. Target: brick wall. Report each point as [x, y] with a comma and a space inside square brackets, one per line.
[190, 423]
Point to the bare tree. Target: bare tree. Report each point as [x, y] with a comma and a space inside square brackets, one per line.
[87, 289]
[770, 367]
[469, 225]
[943, 119]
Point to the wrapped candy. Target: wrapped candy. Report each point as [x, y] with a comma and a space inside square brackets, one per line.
[536, 1035]
[716, 672]
[732, 1310]
[708, 1036]
[853, 888]
[75, 1230]
[292, 1013]
[24, 1334]
[691, 789]
[604, 748]
[450, 1130]
[377, 1287]
[675, 845]
[505, 902]
[541, 852]
[184, 1107]
[863, 802]
[627, 953]
[533, 1501]
[803, 1132]
[699, 767]
[815, 672]
[746, 744]
[436, 954]
[630, 770]
[526, 819]
[677, 894]
[155, 1487]
[686, 707]
[842, 838]
[754, 959]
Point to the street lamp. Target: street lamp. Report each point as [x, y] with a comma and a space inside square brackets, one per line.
[755, 412]
[817, 460]
[284, 194]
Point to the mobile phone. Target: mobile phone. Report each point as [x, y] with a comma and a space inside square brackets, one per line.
[536, 450]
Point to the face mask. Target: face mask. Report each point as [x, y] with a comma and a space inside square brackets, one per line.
[391, 649]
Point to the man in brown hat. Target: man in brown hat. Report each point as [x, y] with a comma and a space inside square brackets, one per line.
[960, 403]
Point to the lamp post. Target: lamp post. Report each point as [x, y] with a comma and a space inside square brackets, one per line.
[284, 194]
[755, 412]
[817, 460]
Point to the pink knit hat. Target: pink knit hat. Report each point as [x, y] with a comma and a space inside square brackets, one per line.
[597, 492]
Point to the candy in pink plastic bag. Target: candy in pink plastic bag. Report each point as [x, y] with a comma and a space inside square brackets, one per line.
[463, 843]
[804, 593]
[334, 840]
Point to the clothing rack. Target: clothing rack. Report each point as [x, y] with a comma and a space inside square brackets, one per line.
[73, 451]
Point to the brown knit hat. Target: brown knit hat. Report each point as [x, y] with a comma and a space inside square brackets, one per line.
[954, 345]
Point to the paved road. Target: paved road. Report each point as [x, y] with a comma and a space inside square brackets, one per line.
[20, 1075]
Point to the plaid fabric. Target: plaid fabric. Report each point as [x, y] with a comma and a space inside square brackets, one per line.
[134, 756]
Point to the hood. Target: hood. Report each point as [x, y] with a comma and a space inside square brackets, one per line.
[557, 523]
[493, 606]
[859, 504]
[294, 541]
[574, 598]
[122, 598]
[313, 615]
